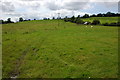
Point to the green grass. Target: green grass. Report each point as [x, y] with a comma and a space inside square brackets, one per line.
[102, 19]
[42, 49]
[0, 51]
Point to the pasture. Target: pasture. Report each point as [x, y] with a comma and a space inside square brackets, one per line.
[42, 49]
[102, 19]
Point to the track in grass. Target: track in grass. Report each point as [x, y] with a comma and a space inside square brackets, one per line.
[41, 49]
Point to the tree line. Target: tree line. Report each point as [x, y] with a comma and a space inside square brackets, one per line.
[9, 20]
[108, 14]
[78, 19]
[74, 19]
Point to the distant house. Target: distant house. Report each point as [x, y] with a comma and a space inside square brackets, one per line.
[87, 23]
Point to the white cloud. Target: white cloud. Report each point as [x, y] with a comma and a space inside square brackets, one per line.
[31, 0]
[104, 0]
[52, 5]
[41, 8]
[7, 7]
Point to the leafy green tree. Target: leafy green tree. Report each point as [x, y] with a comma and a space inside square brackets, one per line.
[108, 14]
[9, 20]
[99, 15]
[78, 17]
[53, 18]
[21, 19]
[93, 15]
[1, 22]
[66, 19]
[29, 19]
[72, 19]
[48, 19]
[86, 16]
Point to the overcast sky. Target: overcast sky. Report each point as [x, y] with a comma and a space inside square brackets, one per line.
[38, 9]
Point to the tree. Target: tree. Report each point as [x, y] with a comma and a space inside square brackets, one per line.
[117, 14]
[48, 19]
[86, 16]
[72, 19]
[29, 19]
[77, 18]
[53, 18]
[96, 22]
[93, 15]
[44, 18]
[60, 18]
[1, 22]
[66, 19]
[21, 19]
[108, 14]
[99, 15]
[9, 20]
[104, 15]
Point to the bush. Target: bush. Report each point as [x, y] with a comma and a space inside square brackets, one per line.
[79, 21]
[118, 23]
[112, 24]
[106, 24]
[96, 22]
[66, 19]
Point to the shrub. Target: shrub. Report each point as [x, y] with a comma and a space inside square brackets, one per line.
[112, 24]
[96, 22]
[105, 24]
[79, 21]
[118, 23]
[66, 19]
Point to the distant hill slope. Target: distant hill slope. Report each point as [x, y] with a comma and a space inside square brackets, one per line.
[102, 19]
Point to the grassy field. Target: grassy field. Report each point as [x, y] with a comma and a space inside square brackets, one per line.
[42, 49]
[0, 51]
[102, 19]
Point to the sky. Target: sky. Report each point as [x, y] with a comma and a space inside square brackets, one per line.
[39, 9]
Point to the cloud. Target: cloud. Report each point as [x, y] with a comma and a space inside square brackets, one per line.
[7, 7]
[31, 0]
[75, 5]
[69, 4]
[110, 4]
[46, 8]
[52, 6]
[68, 13]
[28, 5]
[104, 0]
[119, 7]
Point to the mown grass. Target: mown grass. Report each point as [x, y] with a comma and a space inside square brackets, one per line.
[42, 49]
[103, 19]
